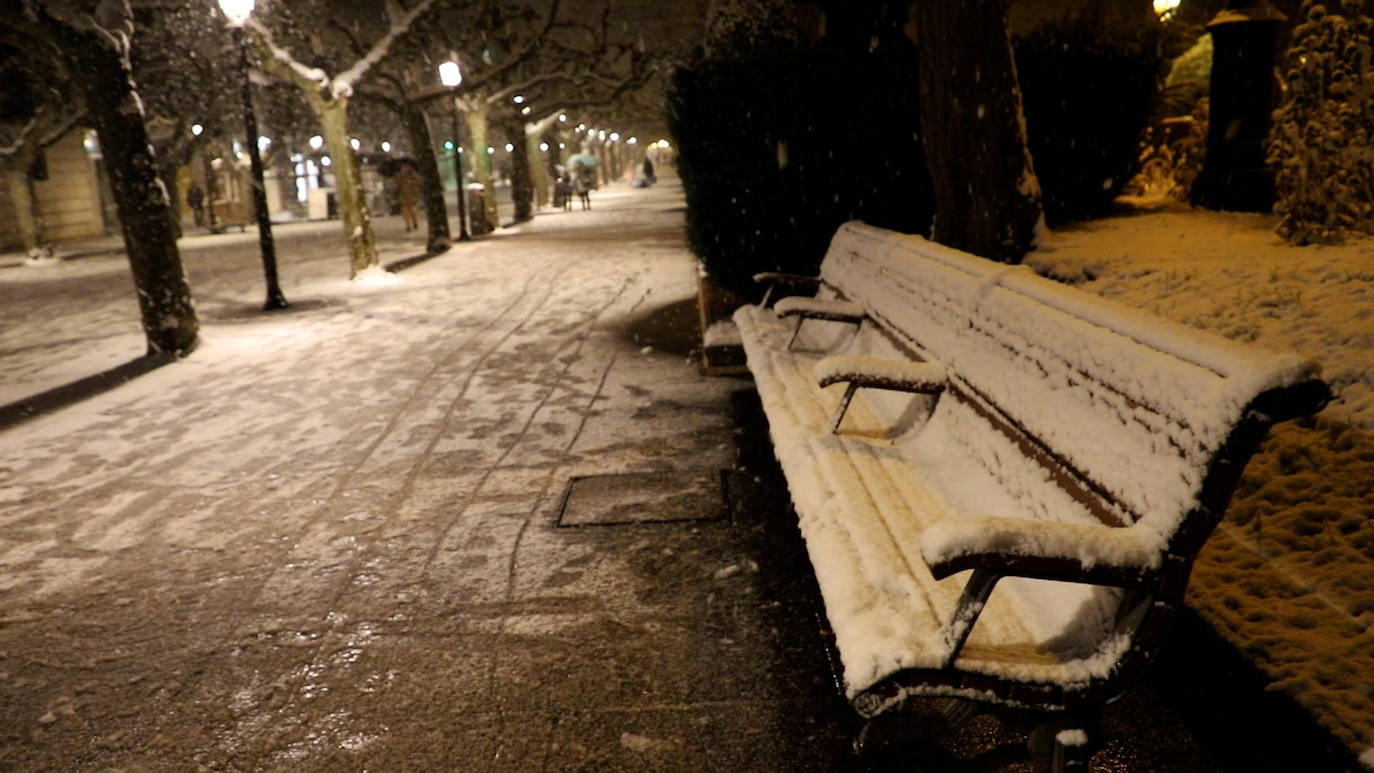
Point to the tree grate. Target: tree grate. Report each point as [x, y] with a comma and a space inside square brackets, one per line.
[644, 497]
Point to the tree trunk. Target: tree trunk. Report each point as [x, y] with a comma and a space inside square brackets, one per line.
[602, 168]
[987, 197]
[101, 63]
[521, 182]
[28, 215]
[540, 170]
[348, 179]
[431, 185]
[480, 160]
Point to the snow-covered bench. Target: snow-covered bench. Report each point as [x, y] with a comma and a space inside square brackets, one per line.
[1009, 433]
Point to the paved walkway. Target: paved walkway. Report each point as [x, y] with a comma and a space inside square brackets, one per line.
[488, 518]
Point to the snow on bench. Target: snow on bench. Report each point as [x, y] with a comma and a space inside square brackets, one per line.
[874, 373]
[1073, 453]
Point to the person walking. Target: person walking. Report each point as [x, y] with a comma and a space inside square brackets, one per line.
[196, 198]
[649, 178]
[408, 194]
[582, 184]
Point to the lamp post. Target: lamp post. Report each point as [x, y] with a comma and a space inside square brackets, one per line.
[451, 76]
[1234, 174]
[237, 12]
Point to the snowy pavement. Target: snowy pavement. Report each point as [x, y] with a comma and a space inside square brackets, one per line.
[341, 537]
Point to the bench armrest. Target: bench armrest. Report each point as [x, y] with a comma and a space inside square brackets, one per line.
[774, 279]
[814, 308]
[1091, 553]
[876, 373]
[782, 278]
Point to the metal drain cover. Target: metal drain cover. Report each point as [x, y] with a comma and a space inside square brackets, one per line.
[650, 497]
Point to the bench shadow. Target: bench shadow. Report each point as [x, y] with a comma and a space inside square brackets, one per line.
[69, 394]
[674, 328]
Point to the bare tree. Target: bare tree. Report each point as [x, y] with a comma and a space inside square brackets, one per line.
[91, 40]
[35, 112]
[296, 48]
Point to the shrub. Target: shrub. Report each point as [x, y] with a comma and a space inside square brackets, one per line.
[1322, 142]
[1088, 93]
[776, 150]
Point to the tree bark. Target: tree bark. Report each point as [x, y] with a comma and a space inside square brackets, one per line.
[100, 60]
[431, 185]
[348, 179]
[521, 182]
[598, 151]
[480, 160]
[540, 170]
[28, 215]
[986, 194]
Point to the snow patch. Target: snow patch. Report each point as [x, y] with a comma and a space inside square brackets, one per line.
[1071, 738]
[376, 276]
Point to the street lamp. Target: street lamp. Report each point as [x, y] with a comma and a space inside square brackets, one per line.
[451, 76]
[237, 12]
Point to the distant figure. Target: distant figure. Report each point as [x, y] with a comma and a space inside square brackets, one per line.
[582, 184]
[408, 194]
[562, 187]
[196, 198]
[649, 171]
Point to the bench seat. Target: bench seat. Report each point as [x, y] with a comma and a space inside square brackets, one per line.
[863, 504]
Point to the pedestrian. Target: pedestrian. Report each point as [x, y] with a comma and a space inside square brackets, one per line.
[582, 184]
[408, 194]
[562, 187]
[649, 171]
[196, 198]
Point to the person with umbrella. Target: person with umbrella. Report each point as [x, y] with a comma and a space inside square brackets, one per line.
[584, 177]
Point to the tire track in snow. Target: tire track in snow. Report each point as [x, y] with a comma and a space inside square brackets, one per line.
[350, 475]
[588, 327]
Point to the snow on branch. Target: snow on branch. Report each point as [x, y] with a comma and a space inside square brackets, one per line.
[12, 149]
[345, 82]
[479, 80]
[283, 63]
[342, 86]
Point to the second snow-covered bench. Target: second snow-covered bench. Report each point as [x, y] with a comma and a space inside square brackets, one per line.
[1013, 435]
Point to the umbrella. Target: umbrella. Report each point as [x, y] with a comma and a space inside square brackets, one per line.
[587, 160]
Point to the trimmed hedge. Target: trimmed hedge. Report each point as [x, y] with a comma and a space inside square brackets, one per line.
[849, 127]
[1088, 95]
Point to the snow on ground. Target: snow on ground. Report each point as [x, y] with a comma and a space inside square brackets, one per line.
[1289, 576]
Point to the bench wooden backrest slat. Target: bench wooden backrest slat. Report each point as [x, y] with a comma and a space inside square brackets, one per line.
[1133, 407]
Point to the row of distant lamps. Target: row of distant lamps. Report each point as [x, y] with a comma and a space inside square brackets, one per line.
[236, 13]
[317, 142]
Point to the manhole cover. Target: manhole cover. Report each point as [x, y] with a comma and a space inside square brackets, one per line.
[607, 500]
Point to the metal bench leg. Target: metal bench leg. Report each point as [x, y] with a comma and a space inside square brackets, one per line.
[966, 610]
[1064, 744]
[800, 321]
[849, 391]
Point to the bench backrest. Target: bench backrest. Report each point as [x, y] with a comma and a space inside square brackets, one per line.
[1133, 417]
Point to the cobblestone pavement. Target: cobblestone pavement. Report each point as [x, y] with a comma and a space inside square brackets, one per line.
[490, 518]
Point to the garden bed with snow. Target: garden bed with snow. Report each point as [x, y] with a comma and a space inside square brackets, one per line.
[1288, 578]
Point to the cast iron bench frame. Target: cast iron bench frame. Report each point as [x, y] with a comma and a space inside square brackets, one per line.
[1152, 594]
